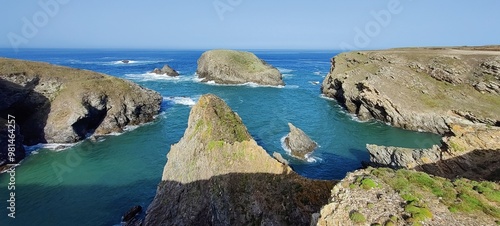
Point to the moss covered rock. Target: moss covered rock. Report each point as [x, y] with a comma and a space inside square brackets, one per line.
[237, 67]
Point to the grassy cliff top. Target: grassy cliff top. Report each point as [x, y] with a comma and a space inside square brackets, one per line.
[446, 80]
[63, 81]
[238, 59]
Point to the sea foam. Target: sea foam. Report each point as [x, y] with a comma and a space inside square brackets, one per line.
[188, 101]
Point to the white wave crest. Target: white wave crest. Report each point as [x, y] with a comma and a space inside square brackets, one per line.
[135, 62]
[248, 84]
[188, 101]
[284, 70]
[149, 76]
[55, 147]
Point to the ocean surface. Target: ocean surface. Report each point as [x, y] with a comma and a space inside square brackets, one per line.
[95, 181]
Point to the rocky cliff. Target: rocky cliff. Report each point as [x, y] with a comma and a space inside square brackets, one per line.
[218, 175]
[472, 152]
[421, 89]
[453, 92]
[388, 197]
[237, 67]
[54, 104]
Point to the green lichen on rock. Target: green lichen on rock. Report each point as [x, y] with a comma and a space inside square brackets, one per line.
[215, 121]
[357, 217]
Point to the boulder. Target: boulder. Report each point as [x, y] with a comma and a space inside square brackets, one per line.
[218, 175]
[166, 70]
[299, 143]
[236, 67]
[55, 104]
[125, 61]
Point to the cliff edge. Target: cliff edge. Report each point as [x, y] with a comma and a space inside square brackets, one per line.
[55, 104]
[420, 89]
[454, 92]
[218, 175]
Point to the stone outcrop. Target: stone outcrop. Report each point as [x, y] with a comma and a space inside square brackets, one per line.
[421, 89]
[299, 143]
[54, 104]
[472, 152]
[218, 175]
[236, 67]
[166, 70]
[448, 91]
[388, 197]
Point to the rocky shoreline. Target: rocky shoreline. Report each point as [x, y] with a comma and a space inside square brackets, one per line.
[217, 174]
[54, 104]
[438, 90]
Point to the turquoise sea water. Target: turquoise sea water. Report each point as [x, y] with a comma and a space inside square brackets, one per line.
[95, 182]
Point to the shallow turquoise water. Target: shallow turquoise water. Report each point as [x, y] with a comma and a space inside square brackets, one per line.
[95, 182]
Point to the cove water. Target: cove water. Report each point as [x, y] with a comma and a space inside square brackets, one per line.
[95, 182]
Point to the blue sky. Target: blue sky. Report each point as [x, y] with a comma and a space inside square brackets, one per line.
[247, 24]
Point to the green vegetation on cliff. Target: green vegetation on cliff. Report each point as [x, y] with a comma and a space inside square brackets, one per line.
[460, 195]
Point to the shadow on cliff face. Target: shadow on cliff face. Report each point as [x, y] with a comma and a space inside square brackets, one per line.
[30, 109]
[239, 199]
[475, 165]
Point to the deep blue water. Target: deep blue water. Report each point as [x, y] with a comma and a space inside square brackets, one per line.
[101, 180]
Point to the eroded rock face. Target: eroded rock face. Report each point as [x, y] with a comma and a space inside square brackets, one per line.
[418, 89]
[166, 70]
[299, 143]
[55, 104]
[218, 175]
[472, 152]
[236, 67]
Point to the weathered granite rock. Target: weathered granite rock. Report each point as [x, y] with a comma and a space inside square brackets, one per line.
[471, 151]
[420, 89]
[55, 104]
[218, 175]
[166, 70]
[236, 67]
[299, 143]
[385, 197]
